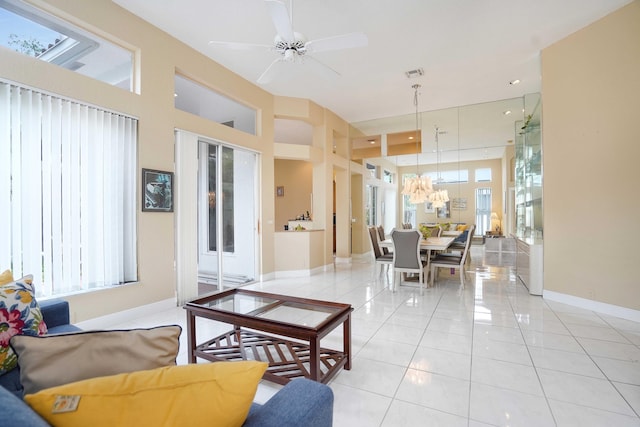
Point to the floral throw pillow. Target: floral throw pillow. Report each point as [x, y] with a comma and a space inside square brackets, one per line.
[19, 315]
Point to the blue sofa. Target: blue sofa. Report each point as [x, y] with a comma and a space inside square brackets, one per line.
[301, 402]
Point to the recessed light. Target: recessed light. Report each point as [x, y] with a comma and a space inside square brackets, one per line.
[506, 113]
[410, 137]
[514, 82]
[372, 141]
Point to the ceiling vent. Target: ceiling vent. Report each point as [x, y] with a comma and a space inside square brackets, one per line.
[412, 74]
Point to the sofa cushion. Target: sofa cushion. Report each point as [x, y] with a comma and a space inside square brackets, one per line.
[198, 394]
[6, 277]
[53, 360]
[19, 314]
[17, 413]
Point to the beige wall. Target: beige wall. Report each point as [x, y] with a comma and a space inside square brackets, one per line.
[160, 57]
[591, 149]
[296, 178]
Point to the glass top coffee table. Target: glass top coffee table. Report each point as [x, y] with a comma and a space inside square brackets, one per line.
[282, 330]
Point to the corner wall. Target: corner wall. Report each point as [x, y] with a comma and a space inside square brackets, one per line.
[591, 152]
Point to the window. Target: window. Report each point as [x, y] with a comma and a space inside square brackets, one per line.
[371, 210]
[409, 210]
[33, 32]
[483, 175]
[387, 176]
[449, 177]
[373, 170]
[67, 192]
[483, 210]
[196, 99]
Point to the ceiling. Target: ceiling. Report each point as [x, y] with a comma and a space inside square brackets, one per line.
[469, 49]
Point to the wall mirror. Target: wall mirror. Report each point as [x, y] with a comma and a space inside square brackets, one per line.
[467, 150]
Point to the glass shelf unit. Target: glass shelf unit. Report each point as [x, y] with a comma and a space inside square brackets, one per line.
[529, 221]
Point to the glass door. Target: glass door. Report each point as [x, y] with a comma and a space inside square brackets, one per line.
[483, 211]
[227, 217]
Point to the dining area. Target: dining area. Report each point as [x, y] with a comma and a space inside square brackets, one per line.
[419, 253]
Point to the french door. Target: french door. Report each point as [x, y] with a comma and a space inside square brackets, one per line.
[227, 212]
[483, 210]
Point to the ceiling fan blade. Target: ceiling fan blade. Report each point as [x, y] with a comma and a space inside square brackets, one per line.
[345, 41]
[280, 17]
[241, 46]
[271, 71]
[319, 68]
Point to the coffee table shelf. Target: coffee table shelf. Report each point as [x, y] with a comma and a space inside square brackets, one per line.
[287, 359]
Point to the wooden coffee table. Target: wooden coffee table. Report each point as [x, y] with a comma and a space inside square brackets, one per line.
[282, 330]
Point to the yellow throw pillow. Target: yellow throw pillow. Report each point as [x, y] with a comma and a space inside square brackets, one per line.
[462, 227]
[218, 394]
[6, 277]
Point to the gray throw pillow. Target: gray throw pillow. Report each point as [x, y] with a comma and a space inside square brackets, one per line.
[53, 360]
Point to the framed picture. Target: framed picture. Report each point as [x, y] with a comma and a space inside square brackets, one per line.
[428, 207]
[459, 203]
[280, 191]
[445, 211]
[157, 188]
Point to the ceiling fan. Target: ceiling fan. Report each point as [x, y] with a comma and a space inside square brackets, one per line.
[293, 47]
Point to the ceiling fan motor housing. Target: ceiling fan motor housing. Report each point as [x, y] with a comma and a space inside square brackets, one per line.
[297, 45]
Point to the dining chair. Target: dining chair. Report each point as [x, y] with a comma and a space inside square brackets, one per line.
[407, 226]
[459, 244]
[380, 258]
[406, 255]
[381, 235]
[452, 261]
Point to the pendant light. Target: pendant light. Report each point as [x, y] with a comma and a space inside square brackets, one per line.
[438, 198]
[418, 188]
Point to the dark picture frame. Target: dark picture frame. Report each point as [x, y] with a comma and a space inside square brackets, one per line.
[157, 191]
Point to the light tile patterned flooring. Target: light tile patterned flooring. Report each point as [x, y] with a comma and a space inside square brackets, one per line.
[487, 355]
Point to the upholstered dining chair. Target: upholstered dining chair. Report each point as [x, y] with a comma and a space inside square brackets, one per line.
[453, 261]
[382, 236]
[406, 255]
[383, 260]
[459, 244]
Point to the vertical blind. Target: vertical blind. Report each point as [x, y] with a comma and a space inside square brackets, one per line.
[67, 192]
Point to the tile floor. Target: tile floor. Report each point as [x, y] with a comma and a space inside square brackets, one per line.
[487, 355]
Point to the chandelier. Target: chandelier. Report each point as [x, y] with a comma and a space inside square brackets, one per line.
[419, 187]
[438, 198]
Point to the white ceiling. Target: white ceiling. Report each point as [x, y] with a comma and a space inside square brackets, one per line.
[469, 49]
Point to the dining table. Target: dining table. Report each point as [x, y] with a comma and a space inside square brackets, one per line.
[430, 244]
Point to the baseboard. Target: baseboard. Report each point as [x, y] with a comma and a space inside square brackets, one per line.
[342, 260]
[267, 276]
[102, 322]
[597, 306]
[299, 273]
